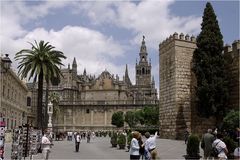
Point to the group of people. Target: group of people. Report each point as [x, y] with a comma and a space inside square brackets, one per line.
[140, 149]
[212, 142]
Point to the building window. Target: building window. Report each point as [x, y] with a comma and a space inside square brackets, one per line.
[28, 101]
[87, 111]
[143, 71]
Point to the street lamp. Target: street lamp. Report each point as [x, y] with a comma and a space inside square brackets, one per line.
[50, 112]
[6, 63]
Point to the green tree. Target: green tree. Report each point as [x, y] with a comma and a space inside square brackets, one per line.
[40, 62]
[118, 119]
[130, 119]
[151, 115]
[139, 115]
[231, 120]
[209, 67]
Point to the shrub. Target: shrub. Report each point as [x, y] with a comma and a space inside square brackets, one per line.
[121, 141]
[231, 145]
[114, 139]
[231, 120]
[110, 133]
[129, 138]
[193, 146]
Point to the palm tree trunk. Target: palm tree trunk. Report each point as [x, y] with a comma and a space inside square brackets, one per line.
[39, 102]
[46, 106]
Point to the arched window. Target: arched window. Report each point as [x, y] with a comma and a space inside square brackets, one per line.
[28, 101]
[143, 71]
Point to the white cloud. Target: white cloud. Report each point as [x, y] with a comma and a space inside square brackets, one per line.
[92, 49]
[150, 18]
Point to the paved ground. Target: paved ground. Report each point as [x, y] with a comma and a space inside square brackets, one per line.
[100, 148]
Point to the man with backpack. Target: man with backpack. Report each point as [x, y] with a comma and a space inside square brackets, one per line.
[220, 148]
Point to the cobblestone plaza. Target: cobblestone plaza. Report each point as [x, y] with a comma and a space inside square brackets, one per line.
[100, 148]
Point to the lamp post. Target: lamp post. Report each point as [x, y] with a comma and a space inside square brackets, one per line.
[4, 67]
[50, 112]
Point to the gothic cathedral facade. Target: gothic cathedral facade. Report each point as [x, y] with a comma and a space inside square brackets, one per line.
[88, 102]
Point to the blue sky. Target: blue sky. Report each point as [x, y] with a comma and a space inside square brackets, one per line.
[108, 34]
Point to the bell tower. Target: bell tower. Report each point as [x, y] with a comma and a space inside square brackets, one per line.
[143, 68]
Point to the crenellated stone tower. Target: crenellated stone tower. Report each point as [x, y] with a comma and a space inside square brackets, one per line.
[175, 55]
[232, 55]
[177, 81]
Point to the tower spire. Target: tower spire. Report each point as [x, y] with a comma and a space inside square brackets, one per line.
[143, 51]
[74, 65]
[126, 71]
[126, 77]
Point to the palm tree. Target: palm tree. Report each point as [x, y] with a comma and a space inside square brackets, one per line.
[39, 62]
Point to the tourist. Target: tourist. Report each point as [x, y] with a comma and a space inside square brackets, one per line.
[88, 137]
[134, 146]
[141, 145]
[150, 146]
[186, 135]
[77, 141]
[206, 144]
[221, 147]
[46, 145]
[237, 153]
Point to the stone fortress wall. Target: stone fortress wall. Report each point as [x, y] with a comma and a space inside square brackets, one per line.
[176, 92]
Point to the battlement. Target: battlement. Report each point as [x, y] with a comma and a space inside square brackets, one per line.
[235, 46]
[180, 37]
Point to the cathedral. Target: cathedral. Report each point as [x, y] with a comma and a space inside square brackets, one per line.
[88, 102]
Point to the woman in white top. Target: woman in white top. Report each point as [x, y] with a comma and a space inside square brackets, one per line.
[134, 146]
[221, 147]
[46, 145]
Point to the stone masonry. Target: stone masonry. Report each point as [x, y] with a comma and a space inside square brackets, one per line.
[177, 82]
[232, 53]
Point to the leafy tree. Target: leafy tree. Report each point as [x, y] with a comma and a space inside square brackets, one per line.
[40, 62]
[151, 115]
[117, 119]
[130, 119]
[209, 67]
[139, 115]
[231, 120]
[148, 116]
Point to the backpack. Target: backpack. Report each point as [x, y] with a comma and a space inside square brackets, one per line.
[215, 151]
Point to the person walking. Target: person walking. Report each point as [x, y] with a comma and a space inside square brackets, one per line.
[77, 141]
[150, 146]
[88, 137]
[186, 135]
[141, 145]
[221, 147]
[46, 145]
[206, 144]
[134, 146]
